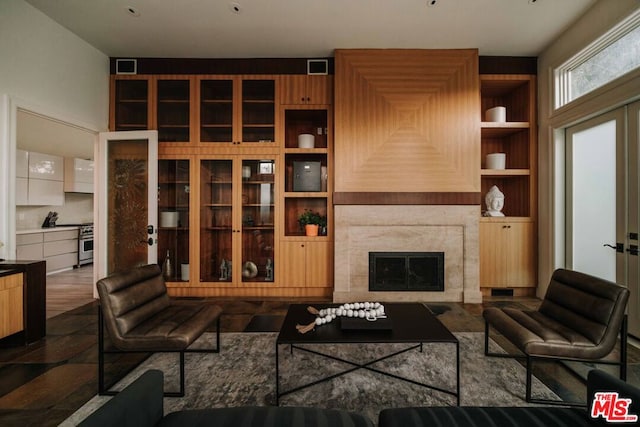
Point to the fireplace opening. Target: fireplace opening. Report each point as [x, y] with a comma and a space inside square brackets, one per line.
[406, 271]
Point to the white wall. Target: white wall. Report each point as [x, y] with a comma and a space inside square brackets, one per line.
[47, 69]
[595, 22]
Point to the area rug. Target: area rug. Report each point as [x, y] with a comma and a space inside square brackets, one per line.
[243, 373]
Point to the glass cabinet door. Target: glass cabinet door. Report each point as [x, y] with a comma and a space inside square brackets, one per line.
[173, 216]
[258, 196]
[131, 105]
[216, 110]
[216, 216]
[258, 110]
[173, 102]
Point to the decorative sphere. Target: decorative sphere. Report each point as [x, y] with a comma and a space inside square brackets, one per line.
[349, 313]
[361, 314]
[367, 306]
[318, 321]
[376, 304]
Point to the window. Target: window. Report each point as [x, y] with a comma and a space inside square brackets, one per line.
[611, 56]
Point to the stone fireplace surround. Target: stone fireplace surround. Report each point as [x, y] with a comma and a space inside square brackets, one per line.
[452, 229]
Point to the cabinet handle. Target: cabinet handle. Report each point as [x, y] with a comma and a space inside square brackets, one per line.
[506, 226]
[302, 245]
[302, 99]
[308, 99]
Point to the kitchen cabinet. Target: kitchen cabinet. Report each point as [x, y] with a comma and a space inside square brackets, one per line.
[22, 177]
[57, 246]
[306, 90]
[44, 181]
[78, 175]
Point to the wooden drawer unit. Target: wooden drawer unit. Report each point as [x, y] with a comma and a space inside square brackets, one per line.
[11, 304]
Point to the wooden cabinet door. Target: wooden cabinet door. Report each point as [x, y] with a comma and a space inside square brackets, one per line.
[293, 264]
[306, 90]
[506, 254]
[318, 264]
[293, 89]
[320, 90]
[306, 264]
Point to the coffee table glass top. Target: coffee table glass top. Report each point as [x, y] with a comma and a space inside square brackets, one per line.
[411, 322]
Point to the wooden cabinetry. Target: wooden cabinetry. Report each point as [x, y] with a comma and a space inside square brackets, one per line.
[173, 108]
[130, 103]
[11, 304]
[508, 244]
[237, 109]
[237, 221]
[309, 264]
[306, 90]
[506, 257]
[230, 182]
[174, 190]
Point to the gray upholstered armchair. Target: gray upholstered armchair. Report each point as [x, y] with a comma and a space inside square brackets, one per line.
[139, 316]
[579, 319]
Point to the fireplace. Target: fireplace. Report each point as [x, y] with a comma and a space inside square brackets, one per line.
[406, 271]
[450, 229]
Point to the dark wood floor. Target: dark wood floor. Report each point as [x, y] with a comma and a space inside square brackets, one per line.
[46, 382]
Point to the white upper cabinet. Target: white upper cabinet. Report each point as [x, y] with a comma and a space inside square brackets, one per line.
[46, 166]
[78, 175]
[22, 177]
[42, 183]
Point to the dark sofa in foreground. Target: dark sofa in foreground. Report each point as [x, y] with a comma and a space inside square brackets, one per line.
[141, 405]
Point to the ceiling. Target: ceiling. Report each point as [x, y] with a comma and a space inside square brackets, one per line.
[306, 28]
[44, 135]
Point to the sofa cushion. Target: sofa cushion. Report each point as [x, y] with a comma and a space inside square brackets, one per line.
[483, 416]
[265, 416]
[174, 328]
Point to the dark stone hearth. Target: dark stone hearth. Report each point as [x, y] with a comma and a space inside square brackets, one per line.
[406, 271]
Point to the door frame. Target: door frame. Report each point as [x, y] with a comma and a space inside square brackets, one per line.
[101, 195]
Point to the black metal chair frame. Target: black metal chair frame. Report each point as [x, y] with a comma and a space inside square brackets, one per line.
[622, 363]
[106, 390]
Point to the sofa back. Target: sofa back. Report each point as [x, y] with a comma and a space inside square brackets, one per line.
[592, 306]
[131, 297]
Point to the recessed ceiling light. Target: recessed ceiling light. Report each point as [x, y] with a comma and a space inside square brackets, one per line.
[431, 2]
[133, 11]
[235, 7]
[533, 1]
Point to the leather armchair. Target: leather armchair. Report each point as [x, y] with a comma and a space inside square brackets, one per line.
[139, 316]
[579, 319]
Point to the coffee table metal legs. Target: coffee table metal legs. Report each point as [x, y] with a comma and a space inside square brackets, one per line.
[367, 366]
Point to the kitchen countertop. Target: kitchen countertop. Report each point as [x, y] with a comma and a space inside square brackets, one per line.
[46, 230]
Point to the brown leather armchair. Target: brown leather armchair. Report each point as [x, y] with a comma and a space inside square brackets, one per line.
[579, 320]
[140, 317]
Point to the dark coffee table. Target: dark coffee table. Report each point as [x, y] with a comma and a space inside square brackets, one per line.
[411, 323]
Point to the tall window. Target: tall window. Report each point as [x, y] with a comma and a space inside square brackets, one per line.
[611, 56]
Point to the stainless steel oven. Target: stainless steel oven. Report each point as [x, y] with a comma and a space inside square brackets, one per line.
[85, 244]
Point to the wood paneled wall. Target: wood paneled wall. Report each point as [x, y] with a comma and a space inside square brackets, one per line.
[407, 121]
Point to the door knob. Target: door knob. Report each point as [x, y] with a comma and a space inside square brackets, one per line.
[619, 247]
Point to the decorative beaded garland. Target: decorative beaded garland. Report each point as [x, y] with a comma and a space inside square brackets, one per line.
[370, 311]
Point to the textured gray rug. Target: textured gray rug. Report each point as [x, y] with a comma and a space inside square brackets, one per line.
[243, 373]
